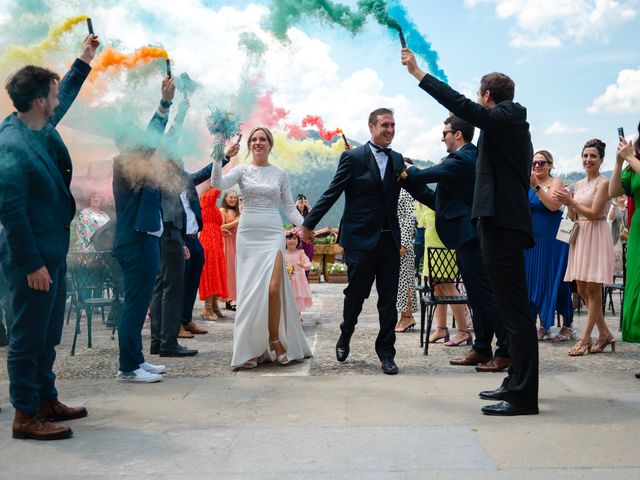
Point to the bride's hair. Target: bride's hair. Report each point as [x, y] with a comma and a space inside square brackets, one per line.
[266, 131]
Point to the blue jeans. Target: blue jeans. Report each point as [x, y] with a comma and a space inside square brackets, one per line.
[38, 318]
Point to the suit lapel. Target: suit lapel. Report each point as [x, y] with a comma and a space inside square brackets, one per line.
[39, 150]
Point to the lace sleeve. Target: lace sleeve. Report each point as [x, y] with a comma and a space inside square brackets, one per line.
[287, 201]
[222, 182]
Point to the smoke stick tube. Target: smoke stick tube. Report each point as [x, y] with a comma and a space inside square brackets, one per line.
[344, 139]
[403, 42]
[168, 68]
[90, 26]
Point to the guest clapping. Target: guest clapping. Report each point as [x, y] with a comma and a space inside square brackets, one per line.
[590, 261]
[546, 261]
[628, 181]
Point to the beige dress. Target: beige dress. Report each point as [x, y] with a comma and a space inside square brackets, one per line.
[591, 256]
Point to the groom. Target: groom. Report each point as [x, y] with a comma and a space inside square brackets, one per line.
[369, 232]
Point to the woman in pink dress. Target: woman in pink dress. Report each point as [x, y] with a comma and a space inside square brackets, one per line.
[591, 254]
[297, 265]
[230, 211]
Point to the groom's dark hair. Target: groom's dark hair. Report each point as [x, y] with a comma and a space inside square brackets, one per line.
[373, 116]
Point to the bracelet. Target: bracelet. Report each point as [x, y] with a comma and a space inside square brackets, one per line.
[165, 104]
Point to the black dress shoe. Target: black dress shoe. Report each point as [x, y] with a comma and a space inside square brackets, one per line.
[178, 351]
[497, 394]
[342, 348]
[389, 366]
[505, 409]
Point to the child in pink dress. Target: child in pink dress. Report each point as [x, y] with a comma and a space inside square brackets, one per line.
[297, 264]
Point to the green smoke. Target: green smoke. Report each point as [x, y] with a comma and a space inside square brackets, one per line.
[251, 44]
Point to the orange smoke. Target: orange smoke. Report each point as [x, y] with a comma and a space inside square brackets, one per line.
[316, 121]
[111, 59]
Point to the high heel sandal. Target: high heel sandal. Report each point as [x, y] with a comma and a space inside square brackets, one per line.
[229, 306]
[401, 328]
[251, 363]
[581, 348]
[543, 334]
[601, 344]
[435, 336]
[467, 341]
[282, 358]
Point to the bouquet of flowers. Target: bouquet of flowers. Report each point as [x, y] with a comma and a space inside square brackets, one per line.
[290, 270]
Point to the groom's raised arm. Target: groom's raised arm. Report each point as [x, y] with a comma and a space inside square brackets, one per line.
[340, 181]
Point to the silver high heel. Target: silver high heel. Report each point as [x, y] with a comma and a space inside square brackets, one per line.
[282, 358]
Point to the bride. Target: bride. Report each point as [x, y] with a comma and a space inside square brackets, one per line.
[267, 325]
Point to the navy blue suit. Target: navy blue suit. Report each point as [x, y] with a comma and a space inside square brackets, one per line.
[193, 266]
[36, 209]
[370, 236]
[138, 253]
[452, 201]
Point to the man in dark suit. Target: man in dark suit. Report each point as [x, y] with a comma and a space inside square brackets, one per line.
[36, 208]
[501, 207]
[137, 198]
[452, 202]
[369, 232]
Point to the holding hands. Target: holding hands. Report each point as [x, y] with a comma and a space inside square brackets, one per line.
[307, 234]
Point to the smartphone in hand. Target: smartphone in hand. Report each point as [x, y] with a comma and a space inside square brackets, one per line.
[620, 132]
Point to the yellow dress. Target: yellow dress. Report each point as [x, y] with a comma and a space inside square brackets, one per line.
[427, 218]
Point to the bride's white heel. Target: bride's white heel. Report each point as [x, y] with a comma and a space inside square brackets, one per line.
[282, 358]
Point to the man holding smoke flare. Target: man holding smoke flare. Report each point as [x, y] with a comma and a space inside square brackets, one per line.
[501, 209]
[36, 209]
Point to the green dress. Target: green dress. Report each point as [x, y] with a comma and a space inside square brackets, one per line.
[631, 315]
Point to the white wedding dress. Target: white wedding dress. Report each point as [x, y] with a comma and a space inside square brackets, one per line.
[260, 235]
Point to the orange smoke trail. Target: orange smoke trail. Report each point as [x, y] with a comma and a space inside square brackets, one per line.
[111, 59]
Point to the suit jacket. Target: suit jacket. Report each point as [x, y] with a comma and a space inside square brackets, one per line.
[138, 208]
[36, 205]
[369, 199]
[501, 193]
[453, 197]
[192, 180]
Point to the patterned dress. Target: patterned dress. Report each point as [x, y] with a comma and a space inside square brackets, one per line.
[214, 272]
[89, 220]
[407, 281]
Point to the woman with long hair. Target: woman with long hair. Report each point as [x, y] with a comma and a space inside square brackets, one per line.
[230, 211]
[590, 261]
[627, 181]
[267, 325]
[546, 261]
[213, 281]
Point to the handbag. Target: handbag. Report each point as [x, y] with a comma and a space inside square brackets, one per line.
[567, 231]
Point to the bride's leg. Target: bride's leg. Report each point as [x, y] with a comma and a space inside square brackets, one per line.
[275, 286]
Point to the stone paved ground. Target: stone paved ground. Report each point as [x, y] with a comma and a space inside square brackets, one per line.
[321, 419]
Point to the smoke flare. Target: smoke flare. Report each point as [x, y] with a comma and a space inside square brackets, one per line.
[16, 56]
[112, 59]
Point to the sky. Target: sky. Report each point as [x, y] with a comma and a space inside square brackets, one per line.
[576, 64]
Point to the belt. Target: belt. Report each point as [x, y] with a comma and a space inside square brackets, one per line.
[191, 235]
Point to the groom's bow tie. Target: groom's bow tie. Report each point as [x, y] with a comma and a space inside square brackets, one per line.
[378, 149]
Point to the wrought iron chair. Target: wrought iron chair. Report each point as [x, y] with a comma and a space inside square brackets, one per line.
[93, 272]
[443, 269]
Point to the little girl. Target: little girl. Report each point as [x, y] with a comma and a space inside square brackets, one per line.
[297, 264]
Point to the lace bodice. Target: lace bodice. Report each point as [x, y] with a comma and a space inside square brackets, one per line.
[585, 192]
[260, 187]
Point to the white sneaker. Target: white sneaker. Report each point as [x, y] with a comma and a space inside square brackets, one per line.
[151, 368]
[139, 376]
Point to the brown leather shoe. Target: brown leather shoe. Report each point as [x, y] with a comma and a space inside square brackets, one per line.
[53, 411]
[30, 425]
[193, 328]
[497, 364]
[183, 333]
[472, 358]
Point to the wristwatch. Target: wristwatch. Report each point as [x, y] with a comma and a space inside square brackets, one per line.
[165, 104]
